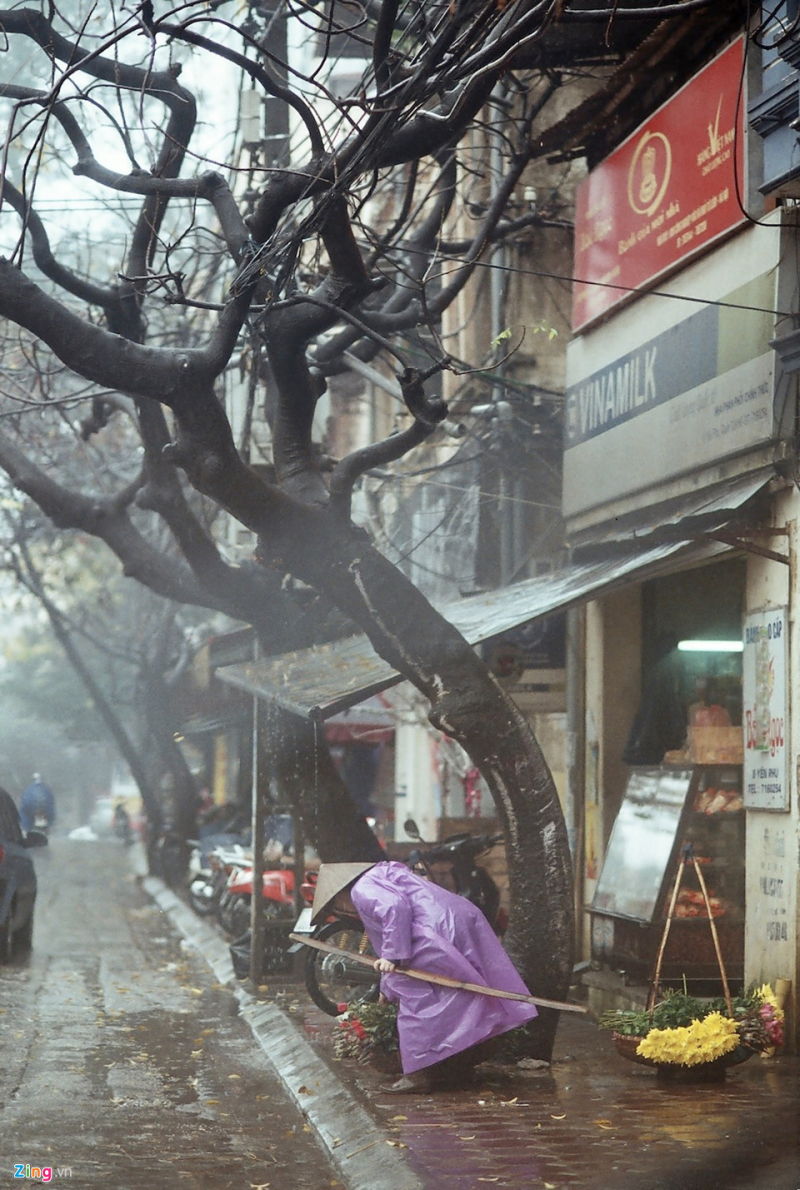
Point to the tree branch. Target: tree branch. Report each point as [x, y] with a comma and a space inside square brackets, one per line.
[427, 412]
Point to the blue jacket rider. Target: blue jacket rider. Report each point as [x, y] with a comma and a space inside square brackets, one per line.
[37, 799]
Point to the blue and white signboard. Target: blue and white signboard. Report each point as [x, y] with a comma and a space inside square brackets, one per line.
[670, 386]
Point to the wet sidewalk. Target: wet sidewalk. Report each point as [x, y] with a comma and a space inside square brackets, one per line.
[590, 1120]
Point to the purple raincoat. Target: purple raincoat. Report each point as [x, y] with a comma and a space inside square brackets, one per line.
[414, 921]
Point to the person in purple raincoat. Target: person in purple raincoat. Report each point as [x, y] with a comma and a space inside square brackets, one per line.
[413, 922]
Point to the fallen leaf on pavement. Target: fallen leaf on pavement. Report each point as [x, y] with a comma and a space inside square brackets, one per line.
[603, 1123]
[397, 1144]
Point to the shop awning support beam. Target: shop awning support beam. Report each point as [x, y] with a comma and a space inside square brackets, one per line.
[742, 541]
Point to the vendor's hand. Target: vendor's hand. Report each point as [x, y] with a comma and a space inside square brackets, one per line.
[384, 966]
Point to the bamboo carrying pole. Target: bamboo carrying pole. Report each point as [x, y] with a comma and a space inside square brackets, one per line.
[442, 980]
[687, 857]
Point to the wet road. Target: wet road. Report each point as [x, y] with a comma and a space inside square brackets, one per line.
[122, 1063]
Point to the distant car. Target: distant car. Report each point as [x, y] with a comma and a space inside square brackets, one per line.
[17, 879]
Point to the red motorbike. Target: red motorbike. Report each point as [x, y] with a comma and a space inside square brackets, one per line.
[278, 889]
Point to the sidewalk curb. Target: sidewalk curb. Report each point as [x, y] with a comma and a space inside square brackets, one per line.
[352, 1138]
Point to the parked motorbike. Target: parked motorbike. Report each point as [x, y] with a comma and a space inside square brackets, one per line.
[277, 890]
[453, 864]
[210, 866]
[335, 982]
[279, 905]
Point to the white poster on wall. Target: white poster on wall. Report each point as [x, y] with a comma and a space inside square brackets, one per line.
[764, 667]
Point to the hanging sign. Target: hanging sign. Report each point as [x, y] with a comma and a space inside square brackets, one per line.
[764, 718]
[668, 191]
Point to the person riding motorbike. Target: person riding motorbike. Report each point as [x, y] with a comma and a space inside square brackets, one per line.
[37, 806]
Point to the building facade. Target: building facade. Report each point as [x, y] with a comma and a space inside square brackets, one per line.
[681, 432]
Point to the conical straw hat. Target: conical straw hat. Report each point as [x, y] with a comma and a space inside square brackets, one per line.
[331, 880]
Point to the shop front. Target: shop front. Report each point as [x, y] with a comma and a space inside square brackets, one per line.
[677, 403]
[680, 785]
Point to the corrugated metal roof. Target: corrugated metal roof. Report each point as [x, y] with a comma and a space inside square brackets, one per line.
[323, 680]
[320, 681]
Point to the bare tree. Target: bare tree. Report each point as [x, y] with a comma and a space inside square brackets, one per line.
[315, 264]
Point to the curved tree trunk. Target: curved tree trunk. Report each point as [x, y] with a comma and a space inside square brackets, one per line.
[470, 706]
[303, 768]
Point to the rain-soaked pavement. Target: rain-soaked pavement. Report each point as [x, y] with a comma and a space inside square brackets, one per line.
[123, 1063]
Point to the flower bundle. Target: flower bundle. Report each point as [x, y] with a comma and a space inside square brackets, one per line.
[689, 1045]
[761, 1022]
[686, 1031]
[366, 1030]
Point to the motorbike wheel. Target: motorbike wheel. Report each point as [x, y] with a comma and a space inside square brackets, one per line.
[234, 914]
[333, 981]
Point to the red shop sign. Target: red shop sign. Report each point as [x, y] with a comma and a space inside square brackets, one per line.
[667, 192]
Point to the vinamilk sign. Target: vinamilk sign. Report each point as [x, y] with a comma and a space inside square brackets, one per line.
[669, 191]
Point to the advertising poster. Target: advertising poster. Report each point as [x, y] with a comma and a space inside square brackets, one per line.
[668, 191]
[764, 666]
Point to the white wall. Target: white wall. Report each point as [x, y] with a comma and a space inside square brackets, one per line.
[771, 929]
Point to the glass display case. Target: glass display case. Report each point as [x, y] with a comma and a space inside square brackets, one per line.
[664, 809]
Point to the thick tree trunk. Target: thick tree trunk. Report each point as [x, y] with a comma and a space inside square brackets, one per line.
[302, 767]
[469, 705]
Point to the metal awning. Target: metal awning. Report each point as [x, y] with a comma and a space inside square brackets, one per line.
[321, 681]
[681, 518]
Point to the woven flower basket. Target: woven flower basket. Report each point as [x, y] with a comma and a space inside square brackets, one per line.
[627, 1045]
[704, 1072]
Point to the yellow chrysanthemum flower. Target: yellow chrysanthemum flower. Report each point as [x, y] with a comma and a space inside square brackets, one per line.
[691, 1045]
